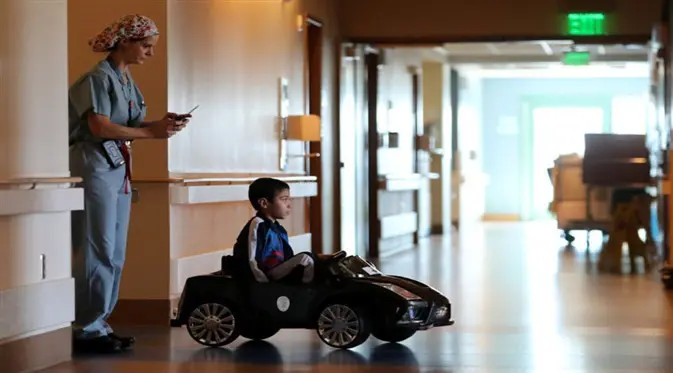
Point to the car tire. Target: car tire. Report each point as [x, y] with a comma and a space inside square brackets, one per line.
[258, 333]
[394, 334]
[213, 324]
[343, 326]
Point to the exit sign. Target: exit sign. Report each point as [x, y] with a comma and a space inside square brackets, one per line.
[575, 58]
[586, 24]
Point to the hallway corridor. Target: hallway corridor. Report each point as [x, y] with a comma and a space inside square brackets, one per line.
[521, 303]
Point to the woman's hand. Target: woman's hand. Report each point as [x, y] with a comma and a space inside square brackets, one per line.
[181, 120]
[168, 126]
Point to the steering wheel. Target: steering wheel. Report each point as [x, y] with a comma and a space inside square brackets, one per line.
[338, 255]
[332, 260]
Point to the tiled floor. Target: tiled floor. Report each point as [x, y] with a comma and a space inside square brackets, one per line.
[522, 304]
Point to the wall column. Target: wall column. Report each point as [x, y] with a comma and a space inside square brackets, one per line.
[437, 114]
[35, 189]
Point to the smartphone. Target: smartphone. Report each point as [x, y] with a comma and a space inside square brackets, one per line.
[183, 116]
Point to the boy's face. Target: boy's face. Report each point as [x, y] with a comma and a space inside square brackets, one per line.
[280, 207]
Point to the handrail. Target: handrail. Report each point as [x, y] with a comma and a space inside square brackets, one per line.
[213, 181]
[34, 182]
[400, 176]
[245, 180]
[408, 176]
[404, 182]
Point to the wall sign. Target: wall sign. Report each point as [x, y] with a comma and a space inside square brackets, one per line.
[586, 24]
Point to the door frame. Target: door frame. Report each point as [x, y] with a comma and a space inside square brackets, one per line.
[371, 94]
[313, 84]
[416, 75]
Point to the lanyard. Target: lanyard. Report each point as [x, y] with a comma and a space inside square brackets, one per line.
[127, 87]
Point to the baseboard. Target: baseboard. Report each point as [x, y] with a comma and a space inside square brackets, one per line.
[391, 246]
[501, 217]
[144, 312]
[36, 352]
[398, 225]
[437, 229]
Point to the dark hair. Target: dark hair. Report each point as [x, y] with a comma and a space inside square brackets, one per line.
[265, 187]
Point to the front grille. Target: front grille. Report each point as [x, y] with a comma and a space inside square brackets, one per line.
[438, 312]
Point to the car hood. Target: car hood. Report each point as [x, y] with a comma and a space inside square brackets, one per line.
[422, 290]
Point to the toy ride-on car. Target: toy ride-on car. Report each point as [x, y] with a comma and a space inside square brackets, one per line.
[348, 300]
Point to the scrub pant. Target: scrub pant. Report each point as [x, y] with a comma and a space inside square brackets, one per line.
[99, 236]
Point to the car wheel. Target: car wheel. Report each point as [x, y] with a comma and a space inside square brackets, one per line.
[393, 335]
[259, 332]
[343, 326]
[213, 324]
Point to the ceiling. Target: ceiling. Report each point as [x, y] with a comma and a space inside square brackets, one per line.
[538, 51]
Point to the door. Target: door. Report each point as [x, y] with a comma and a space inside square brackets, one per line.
[371, 100]
[557, 131]
[349, 151]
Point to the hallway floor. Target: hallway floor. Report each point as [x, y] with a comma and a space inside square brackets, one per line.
[522, 304]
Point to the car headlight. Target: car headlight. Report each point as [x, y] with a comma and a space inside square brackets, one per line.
[404, 293]
[410, 315]
[440, 312]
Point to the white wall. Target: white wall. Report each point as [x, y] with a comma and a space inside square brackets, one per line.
[33, 144]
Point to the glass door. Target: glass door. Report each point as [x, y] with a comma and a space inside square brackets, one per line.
[557, 131]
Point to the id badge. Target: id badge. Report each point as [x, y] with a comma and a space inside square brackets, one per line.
[113, 154]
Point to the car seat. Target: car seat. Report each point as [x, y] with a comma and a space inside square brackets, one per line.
[228, 265]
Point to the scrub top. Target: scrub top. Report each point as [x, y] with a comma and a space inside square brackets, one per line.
[102, 91]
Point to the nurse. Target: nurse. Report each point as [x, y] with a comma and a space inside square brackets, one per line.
[106, 112]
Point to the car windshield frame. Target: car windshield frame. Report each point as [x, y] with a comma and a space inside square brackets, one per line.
[354, 266]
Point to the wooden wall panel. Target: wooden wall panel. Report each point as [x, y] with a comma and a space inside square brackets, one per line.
[227, 57]
[86, 18]
[443, 21]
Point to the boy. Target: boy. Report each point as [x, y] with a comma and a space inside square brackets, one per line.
[263, 242]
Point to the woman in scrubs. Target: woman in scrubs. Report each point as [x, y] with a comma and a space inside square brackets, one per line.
[106, 112]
